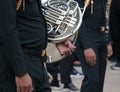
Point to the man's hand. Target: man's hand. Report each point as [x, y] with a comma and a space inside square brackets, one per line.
[90, 56]
[110, 51]
[65, 47]
[87, 2]
[24, 83]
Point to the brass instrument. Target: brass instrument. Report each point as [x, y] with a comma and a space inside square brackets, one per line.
[63, 18]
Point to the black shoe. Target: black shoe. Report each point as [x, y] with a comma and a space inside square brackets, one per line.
[112, 58]
[55, 86]
[71, 87]
[116, 66]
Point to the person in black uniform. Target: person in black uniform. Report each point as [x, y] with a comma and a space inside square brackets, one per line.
[32, 31]
[23, 41]
[115, 30]
[12, 66]
[64, 66]
[92, 46]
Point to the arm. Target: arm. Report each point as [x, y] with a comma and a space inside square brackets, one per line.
[65, 47]
[89, 53]
[82, 37]
[12, 47]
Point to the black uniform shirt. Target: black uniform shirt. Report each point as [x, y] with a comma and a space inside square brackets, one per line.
[92, 23]
[11, 57]
[97, 19]
[31, 26]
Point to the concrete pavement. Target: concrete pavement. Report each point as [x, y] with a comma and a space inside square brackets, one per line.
[112, 81]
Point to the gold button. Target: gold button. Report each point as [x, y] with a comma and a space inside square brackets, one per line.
[102, 28]
[43, 53]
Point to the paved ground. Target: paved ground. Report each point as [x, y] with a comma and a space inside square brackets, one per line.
[112, 81]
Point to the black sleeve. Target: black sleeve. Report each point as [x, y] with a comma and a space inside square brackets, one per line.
[11, 42]
[82, 37]
[82, 34]
[109, 38]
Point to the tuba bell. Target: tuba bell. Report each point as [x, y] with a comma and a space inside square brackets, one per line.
[63, 18]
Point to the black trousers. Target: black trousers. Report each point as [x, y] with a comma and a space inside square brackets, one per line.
[66, 66]
[94, 75]
[7, 77]
[63, 66]
[35, 67]
[115, 26]
[37, 71]
[53, 69]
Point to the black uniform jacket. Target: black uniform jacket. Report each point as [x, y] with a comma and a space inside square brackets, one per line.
[91, 22]
[114, 20]
[31, 26]
[9, 37]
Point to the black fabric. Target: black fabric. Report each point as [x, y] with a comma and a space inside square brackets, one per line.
[9, 36]
[7, 75]
[95, 39]
[66, 66]
[31, 33]
[115, 26]
[35, 53]
[38, 72]
[94, 76]
[53, 69]
[31, 26]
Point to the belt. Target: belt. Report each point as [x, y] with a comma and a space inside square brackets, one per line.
[32, 52]
[97, 29]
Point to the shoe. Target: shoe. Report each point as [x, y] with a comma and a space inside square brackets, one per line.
[76, 74]
[112, 58]
[54, 85]
[116, 66]
[71, 86]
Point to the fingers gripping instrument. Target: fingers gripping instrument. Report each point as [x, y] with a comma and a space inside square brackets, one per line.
[63, 18]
